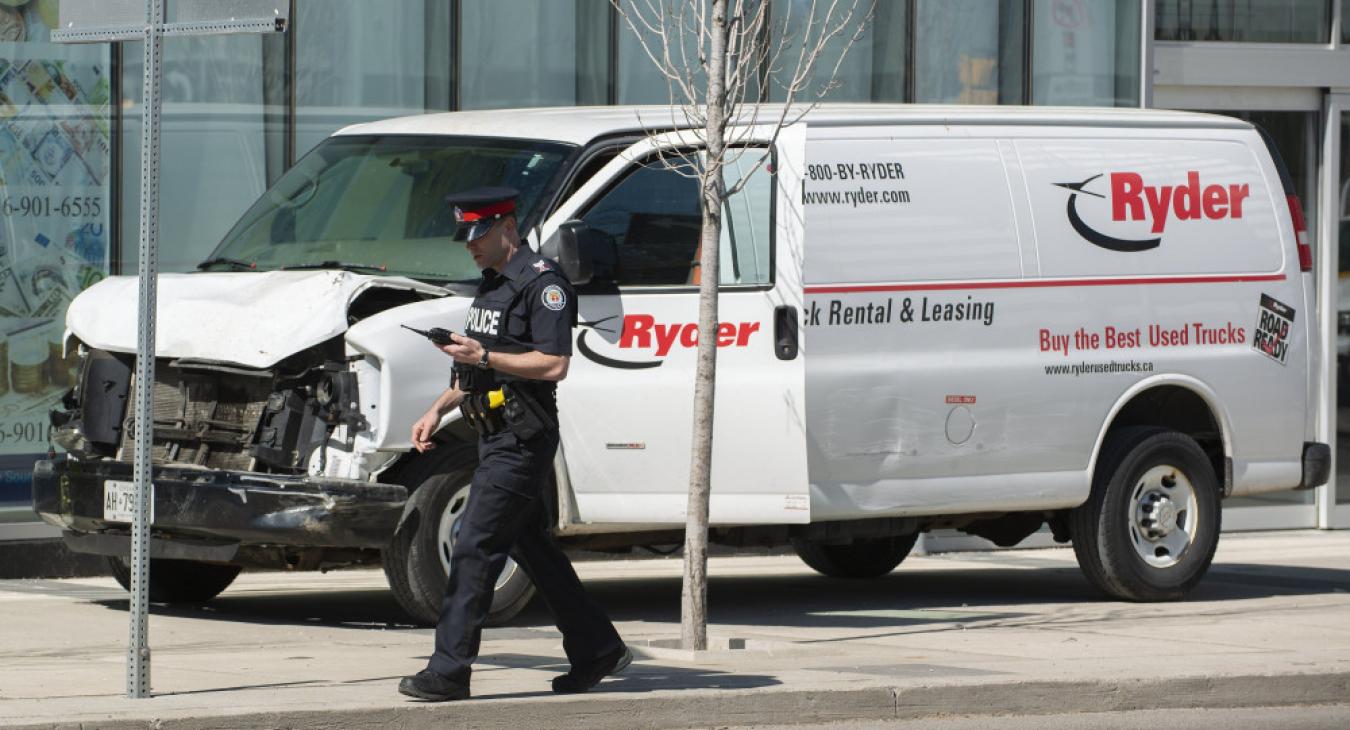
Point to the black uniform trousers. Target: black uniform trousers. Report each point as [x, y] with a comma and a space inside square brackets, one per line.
[506, 515]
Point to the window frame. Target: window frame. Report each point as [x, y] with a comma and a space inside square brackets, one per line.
[610, 287]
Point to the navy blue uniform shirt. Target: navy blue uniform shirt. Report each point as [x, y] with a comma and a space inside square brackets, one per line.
[530, 305]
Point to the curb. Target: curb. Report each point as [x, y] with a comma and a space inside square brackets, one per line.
[674, 709]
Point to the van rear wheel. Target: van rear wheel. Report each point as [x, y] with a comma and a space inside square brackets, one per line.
[417, 560]
[1149, 530]
[870, 557]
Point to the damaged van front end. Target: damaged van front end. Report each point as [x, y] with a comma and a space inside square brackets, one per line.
[265, 441]
[285, 386]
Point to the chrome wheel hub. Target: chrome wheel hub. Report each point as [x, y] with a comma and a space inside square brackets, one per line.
[447, 530]
[1164, 516]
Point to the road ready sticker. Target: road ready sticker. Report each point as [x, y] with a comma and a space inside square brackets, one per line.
[554, 298]
[1273, 325]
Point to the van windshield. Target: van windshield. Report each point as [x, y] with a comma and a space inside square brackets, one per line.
[376, 204]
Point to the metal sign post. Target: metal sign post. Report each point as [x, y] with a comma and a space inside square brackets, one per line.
[101, 21]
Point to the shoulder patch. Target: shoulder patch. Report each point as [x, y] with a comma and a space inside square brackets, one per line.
[554, 297]
[541, 266]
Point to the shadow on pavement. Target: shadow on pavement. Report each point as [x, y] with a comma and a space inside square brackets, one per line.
[644, 675]
[372, 608]
[916, 598]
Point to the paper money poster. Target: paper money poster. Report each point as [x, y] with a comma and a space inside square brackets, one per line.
[54, 205]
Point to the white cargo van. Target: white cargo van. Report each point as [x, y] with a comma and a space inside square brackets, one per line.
[988, 319]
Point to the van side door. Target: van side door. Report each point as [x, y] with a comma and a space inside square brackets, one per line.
[626, 407]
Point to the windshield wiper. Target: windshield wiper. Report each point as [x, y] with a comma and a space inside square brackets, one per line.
[344, 265]
[237, 263]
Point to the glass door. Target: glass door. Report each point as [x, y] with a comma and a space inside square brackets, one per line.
[1334, 299]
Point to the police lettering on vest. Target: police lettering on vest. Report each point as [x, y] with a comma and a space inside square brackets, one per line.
[486, 321]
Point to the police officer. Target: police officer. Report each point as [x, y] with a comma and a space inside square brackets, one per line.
[506, 369]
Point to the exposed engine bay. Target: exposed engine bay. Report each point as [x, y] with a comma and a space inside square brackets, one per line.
[271, 420]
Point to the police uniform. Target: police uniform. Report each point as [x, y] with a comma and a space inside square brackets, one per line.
[528, 306]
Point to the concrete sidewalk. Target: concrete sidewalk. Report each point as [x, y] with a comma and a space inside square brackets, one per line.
[970, 633]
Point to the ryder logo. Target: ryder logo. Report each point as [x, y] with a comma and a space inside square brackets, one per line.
[1131, 199]
[643, 335]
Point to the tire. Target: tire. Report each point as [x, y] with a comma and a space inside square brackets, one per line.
[870, 557]
[179, 581]
[1150, 527]
[417, 560]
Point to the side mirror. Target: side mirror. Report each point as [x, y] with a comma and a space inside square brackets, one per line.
[564, 247]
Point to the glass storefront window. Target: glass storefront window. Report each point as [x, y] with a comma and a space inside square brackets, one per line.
[638, 80]
[517, 53]
[55, 177]
[1085, 52]
[969, 52]
[214, 144]
[1254, 21]
[353, 65]
[1342, 446]
[872, 69]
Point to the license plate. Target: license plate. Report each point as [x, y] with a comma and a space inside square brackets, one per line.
[119, 501]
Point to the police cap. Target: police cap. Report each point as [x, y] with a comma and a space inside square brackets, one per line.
[476, 210]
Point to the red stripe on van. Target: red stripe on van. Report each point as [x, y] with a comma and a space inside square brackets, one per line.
[1041, 283]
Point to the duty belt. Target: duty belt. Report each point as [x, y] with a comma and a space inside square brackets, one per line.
[483, 411]
[511, 407]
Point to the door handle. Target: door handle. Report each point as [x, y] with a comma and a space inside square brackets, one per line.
[785, 332]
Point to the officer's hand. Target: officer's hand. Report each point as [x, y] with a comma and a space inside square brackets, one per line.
[464, 349]
[422, 430]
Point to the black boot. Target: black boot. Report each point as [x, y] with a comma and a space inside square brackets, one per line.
[428, 685]
[581, 679]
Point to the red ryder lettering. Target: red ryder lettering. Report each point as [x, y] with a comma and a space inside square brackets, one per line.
[642, 330]
[1133, 200]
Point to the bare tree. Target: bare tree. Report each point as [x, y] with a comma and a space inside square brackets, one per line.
[720, 58]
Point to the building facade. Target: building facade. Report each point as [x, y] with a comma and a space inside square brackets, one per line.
[240, 110]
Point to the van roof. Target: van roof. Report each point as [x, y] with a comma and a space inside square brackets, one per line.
[579, 125]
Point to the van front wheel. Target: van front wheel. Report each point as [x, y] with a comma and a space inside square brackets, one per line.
[417, 560]
[861, 558]
[178, 581]
[1149, 530]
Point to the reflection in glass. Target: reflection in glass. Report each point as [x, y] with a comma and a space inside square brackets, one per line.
[747, 231]
[353, 65]
[55, 206]
[963, 49]
[377, 204]
[1343, 321]
[1086, 52]
[1257, 21]
[873, 66]
[638, 79]
[214, 145]
[523, 53]
[651, 221]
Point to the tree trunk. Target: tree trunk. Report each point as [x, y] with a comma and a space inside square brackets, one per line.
[694, 597]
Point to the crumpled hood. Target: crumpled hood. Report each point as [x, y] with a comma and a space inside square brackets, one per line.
[249, 319]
